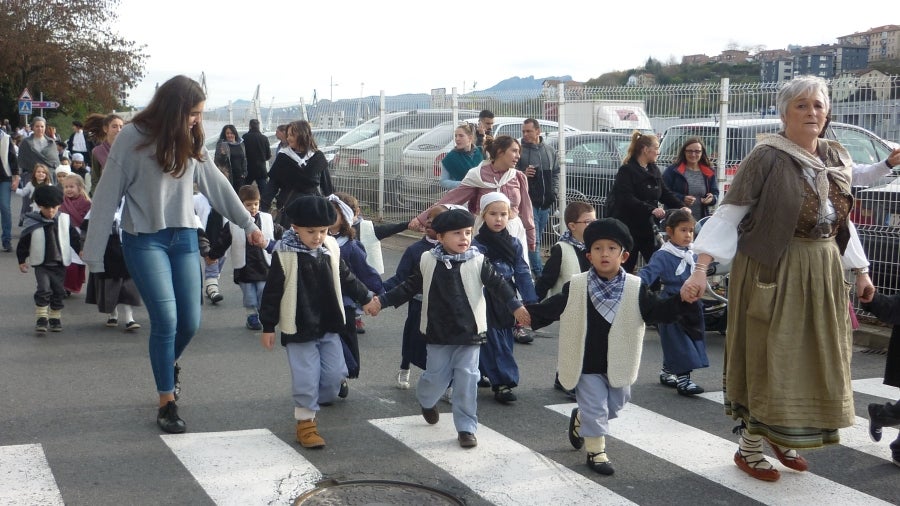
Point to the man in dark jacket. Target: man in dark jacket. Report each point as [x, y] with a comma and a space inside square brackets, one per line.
[258, 152]
[539, 163]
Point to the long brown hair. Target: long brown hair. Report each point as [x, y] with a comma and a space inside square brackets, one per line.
[303, 131]
[639, 141]
[165, 122]
[704, 159]
[95, 125]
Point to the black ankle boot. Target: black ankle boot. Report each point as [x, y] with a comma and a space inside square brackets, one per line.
[168, 419]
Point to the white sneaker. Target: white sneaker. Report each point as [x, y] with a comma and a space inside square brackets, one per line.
[448, 396]
[403, 379]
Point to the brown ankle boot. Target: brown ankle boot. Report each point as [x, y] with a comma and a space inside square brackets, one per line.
[308, 435]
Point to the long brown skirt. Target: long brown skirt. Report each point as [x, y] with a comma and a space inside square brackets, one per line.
[789, 344]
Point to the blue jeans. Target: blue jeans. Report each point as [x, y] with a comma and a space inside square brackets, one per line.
[5, 212]
[541, 218]
[164, 268]
[252, 293]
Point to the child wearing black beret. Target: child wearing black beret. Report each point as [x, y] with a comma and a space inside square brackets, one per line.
[46, 243]
[602, 314]
[303, 297]
[452, 279]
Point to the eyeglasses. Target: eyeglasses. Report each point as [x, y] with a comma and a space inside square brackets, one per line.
[693, 151]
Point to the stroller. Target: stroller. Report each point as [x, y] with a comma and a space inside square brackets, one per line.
[715, 299]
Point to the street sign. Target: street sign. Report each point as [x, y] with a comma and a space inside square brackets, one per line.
[25, 96]
[44, 105]
[25, 107]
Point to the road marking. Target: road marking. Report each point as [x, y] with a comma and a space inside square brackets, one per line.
[26, 478]
[856, 437]
[244, 467]
[875, 387]
[499, 469]
[710, 456]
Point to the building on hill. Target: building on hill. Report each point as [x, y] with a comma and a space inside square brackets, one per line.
[695, 59]
[883, 42]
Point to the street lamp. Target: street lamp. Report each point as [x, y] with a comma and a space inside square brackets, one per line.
[332, 85]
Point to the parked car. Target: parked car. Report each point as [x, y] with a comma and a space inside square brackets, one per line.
[397, 121]
[327, 136]
[592, 160]
[355, 170]
[421, 161]
[864, 146]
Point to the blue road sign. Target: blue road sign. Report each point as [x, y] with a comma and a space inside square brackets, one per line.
[24, 106]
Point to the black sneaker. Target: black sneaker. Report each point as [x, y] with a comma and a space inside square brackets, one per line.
[55, 325]
[504, 395]
[168, 420]
[895, 452]
[522, 336]
[874, 426]
[557, 385]
[575, 430]
[345, 389]
[668, 379]
[467, 440]
[484, 382]
[177, 390]
[41, 324]
[431, 415]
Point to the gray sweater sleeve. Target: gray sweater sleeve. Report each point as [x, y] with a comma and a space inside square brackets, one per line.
[212, 183]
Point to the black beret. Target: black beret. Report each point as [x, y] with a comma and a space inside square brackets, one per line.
[453, 219]
[311, 211]
[608, 228]
[48, 195]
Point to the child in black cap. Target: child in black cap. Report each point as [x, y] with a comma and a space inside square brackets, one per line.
[47, 240]
[452, 278]
[602, 314]
[303, 297]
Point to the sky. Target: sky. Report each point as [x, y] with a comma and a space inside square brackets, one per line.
[293, 49]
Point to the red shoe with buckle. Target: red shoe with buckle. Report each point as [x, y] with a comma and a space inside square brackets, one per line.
[797, 463]
[759, 474]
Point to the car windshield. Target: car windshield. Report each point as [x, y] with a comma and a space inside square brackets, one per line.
[433, 140]
[360, 133]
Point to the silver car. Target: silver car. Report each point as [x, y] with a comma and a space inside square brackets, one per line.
[421, 170]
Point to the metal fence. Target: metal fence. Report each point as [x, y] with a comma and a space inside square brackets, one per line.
[395, 169]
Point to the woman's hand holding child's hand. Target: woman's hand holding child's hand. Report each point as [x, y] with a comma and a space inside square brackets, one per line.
[522, 316]
[373, 307]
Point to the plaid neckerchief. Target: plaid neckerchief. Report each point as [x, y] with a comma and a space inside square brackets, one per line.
[446, 258]
[567, 237]
[606, 294]
[290, 241]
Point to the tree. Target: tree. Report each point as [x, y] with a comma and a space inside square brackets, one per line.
[67, 50]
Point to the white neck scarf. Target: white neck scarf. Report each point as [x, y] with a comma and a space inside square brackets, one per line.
[685, 254]
[295, 157]
[473, 178]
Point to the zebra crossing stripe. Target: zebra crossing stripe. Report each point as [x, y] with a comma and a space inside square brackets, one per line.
[500, 470]
[26, 478]
[710, 457]
[856, 437]
[875, 387]
[244, 467]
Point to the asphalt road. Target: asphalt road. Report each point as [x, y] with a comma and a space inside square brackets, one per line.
[87, 397]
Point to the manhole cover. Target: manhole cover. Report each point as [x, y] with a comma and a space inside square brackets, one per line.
[374, 492]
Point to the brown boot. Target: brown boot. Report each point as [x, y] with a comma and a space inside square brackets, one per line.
[307, 434]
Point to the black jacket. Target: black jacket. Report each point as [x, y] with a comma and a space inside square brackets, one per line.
[887, 309]
[636, 192]
[450, 318]
[287, 180]
[318, 310]
[258, 151]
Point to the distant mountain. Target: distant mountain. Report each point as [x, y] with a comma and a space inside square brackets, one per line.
[522, 84]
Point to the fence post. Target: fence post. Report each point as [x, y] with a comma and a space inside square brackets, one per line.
[723, 132]
[381, 104]
[561, 155]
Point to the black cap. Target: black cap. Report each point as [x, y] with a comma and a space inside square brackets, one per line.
[608, 228]
[311, 211]
[453, 219]
[48, 196]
